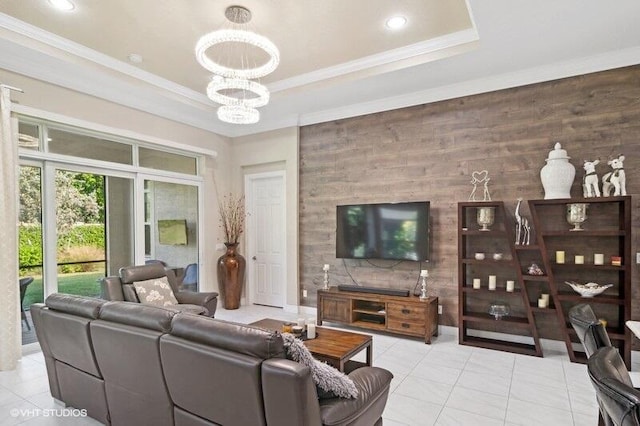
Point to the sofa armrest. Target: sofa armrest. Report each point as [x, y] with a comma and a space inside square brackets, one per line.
[289, 394]
[373, 389]
[111, 288]
[52, 375]
[208, 300]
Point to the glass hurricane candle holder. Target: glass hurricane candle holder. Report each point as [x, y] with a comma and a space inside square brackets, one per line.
[576, 215]
[499, 310]
[486, 217]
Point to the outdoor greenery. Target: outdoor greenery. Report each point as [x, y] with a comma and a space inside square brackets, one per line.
[81, 242]
[80, 202]
[84, 284]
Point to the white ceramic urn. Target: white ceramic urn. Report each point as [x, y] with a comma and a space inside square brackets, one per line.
[557, 175]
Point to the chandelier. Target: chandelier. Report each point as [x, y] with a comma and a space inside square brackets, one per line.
[234, 67]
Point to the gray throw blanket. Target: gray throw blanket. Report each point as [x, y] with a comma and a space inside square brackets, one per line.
[324, 376]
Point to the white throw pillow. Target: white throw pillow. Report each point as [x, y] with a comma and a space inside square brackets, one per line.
[156, 291]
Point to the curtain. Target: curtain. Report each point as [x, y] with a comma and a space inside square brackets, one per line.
[10, 334]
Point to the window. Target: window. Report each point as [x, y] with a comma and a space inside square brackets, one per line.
[160, 160]
[29, 136]
[79, 145]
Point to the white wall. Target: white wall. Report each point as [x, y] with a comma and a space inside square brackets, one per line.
[275, 150]
[56, 100]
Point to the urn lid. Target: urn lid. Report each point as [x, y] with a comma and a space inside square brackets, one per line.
[557, 153]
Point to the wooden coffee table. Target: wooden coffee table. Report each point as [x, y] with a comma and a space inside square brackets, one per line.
[335, 347]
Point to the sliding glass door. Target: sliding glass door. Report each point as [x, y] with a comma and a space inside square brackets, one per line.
[30, 253]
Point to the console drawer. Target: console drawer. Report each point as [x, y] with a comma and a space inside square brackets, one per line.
[407, 327]
[402, 311]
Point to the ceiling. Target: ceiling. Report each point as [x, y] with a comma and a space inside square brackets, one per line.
[337, 57]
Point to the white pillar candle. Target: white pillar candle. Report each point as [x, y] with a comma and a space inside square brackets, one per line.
[579, 259]
[559, 256]
[545, 297]
[598, 259]
[476, 283]
[492, 282]
[511, 285]
[542, 303]
[311, 331]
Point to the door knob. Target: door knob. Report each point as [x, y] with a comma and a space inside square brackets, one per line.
[254, 258]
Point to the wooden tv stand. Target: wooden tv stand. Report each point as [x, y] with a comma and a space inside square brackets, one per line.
[394, 314]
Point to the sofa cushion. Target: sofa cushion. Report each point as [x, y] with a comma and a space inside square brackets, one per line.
[129, 274]
[189, 308]
[330, 382]
[137, 315]
[156, 292]
[83, 306]
[240, 338]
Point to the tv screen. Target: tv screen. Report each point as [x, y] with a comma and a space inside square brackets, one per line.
[395, 231]
[172, 232]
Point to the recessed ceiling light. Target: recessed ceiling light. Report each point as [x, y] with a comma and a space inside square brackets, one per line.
[396, 22]
[65, 5]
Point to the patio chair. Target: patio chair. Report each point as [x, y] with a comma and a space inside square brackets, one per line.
[24, 283]
[190, 277]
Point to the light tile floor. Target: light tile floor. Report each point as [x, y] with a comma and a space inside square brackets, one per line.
[439, 384]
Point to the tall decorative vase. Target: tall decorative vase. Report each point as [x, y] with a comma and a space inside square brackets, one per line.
[557, 176]
[231, 267]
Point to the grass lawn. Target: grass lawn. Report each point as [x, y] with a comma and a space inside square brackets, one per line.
[82, 283]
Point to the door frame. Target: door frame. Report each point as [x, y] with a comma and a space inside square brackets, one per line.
[250, 240]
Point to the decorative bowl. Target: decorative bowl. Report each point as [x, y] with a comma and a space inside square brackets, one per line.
[497, 256]
[479, 256]
[499, 310]
[588, 289]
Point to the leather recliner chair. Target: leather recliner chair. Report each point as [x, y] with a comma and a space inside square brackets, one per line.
[121, 288]
[590, 330]
[619, 401]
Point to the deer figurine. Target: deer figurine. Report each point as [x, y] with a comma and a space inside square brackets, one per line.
[590, 186]
[615, 179]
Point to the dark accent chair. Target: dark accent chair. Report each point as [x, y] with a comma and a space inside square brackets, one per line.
[619, 401]
[592, 335]
[590, 330]
[24, 283]
[121, 288]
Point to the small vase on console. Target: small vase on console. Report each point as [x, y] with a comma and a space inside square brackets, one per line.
[231, 267]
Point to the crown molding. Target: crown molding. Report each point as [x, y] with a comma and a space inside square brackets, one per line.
[571, 68]
[372, 61]
[65, 45]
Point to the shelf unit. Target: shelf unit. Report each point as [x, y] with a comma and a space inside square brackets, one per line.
[475, 326]
[607, 230]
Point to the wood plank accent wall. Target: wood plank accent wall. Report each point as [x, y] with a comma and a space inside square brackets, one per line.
[428, 152]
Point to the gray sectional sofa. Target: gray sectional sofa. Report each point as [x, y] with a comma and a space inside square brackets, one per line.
[128, 363]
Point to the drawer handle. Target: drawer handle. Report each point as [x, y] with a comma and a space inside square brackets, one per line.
[405, 325]
[406, 311]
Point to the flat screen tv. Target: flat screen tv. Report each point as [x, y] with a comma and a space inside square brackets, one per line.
[395, 231]
[172, 232]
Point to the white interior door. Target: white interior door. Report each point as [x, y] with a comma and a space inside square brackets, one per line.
[265, 195]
